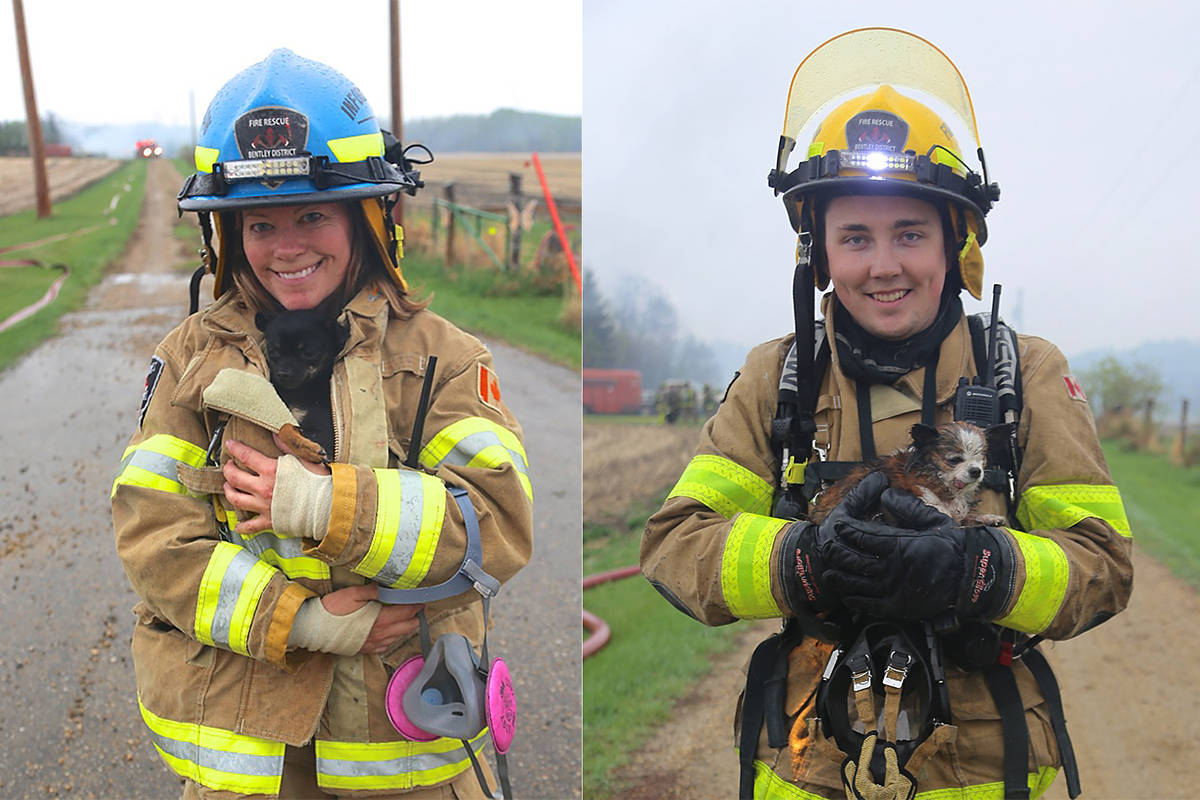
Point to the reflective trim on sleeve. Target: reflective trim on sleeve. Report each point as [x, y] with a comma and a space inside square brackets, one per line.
[477, 442]
[217, 758]
[392, 765]
[724, 486]
[746, 567]
[1064, 505]
[154, 464]
[769, 786]
[285, 553]
[1046, 574]
[232, 585]
[408, 525]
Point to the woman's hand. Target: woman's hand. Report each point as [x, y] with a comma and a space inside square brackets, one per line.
[251, 488]
[393, 623]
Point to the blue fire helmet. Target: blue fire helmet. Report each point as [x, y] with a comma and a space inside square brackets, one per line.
[288, 130]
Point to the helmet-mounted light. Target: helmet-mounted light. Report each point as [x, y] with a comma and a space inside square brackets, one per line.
[878, 161]
[259, 168]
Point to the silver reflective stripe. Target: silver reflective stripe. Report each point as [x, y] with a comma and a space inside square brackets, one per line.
[231, 589]
[420, 762]
[284, 546]
[408, 532]
[236, 763]
[157, 463]
[475, 444]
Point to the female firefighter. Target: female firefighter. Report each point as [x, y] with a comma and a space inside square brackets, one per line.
[907, 663]
[261, 650]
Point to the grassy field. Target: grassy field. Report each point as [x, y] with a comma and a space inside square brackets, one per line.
[655, 655]
[1161, 501]
[87, 254]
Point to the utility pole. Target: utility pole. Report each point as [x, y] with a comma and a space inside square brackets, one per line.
[397, 113]
[33, 126]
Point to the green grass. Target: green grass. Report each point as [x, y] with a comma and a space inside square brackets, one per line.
[87, 255]
[626, 419]
[1161, 503]
[655, 656]
[492, 304]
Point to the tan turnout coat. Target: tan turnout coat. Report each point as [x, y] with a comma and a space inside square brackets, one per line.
[685, 543]
[244, 679]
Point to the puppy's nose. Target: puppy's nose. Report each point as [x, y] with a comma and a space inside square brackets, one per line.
[974, 472]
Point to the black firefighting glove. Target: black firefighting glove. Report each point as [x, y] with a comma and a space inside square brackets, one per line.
[806, 546]
[924, 567]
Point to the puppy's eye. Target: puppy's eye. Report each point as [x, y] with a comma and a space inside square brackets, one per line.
[954, 460]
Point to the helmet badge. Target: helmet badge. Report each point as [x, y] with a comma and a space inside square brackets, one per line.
[876, 130]
[271, 132]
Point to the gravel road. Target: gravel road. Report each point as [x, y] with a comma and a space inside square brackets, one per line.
[70, 726]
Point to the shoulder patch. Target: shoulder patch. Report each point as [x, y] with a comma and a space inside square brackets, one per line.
[488, 386]
[152, 375]
[1074, 390]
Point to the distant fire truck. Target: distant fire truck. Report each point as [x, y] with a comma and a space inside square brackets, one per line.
[148, 148]
[612, 391]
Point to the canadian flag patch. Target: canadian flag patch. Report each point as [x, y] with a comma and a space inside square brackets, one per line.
[1074, 389]
[489, 387]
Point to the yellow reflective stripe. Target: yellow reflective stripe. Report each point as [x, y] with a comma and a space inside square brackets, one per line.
[232, 585]
[356, 148]
[746, 567]
[478, 442]
[1064, 505]
[392, 765]
[206, 157]
[217, 758]
[411, 510]
[154, 464]
[967, 245]
[769, 786]
[1046, 573]
[723, 485]
[1038, 783]
[282, 552]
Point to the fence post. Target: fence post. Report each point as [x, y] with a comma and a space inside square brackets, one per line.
[1187, 462]
[516, 200]
[449, 192]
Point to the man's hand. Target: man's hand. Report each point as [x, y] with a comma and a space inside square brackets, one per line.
[922, 567]
[806, 545]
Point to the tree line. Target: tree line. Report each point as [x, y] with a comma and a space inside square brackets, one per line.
[14, 136]
[640, 330]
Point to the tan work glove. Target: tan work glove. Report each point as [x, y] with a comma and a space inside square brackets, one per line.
[302, 501]
[857, 780]
[314, 628]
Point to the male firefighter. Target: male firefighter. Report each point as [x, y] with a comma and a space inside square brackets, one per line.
[907, 664]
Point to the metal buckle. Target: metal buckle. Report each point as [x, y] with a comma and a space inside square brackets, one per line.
[897, 670]
[214, 444]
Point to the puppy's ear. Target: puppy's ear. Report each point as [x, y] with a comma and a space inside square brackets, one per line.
[261, 320]
[998, 437]
[923, 436]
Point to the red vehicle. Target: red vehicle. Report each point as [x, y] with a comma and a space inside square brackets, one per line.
[612, 391]
[148, 148]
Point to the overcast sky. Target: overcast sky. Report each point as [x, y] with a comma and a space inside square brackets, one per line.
[126, 61]
[1089, 114]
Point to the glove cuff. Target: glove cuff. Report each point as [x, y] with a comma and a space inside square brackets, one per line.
[314, 628]
[302, 501]
[987, 573]
[799, 571]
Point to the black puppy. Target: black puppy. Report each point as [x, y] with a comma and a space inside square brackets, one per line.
[301, 348]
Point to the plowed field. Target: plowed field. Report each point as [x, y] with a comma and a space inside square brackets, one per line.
[624, 463]
[65, 176]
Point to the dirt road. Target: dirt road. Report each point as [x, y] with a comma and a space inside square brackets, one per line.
[1130, 687]
[70, 726]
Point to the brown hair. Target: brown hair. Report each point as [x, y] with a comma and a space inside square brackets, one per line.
[366, 266]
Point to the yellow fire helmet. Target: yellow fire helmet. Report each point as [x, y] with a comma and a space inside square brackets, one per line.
[880, 139]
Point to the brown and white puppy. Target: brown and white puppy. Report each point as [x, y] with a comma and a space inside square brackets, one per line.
[942, 467]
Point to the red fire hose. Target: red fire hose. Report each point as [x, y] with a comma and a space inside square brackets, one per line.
[600, 632]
